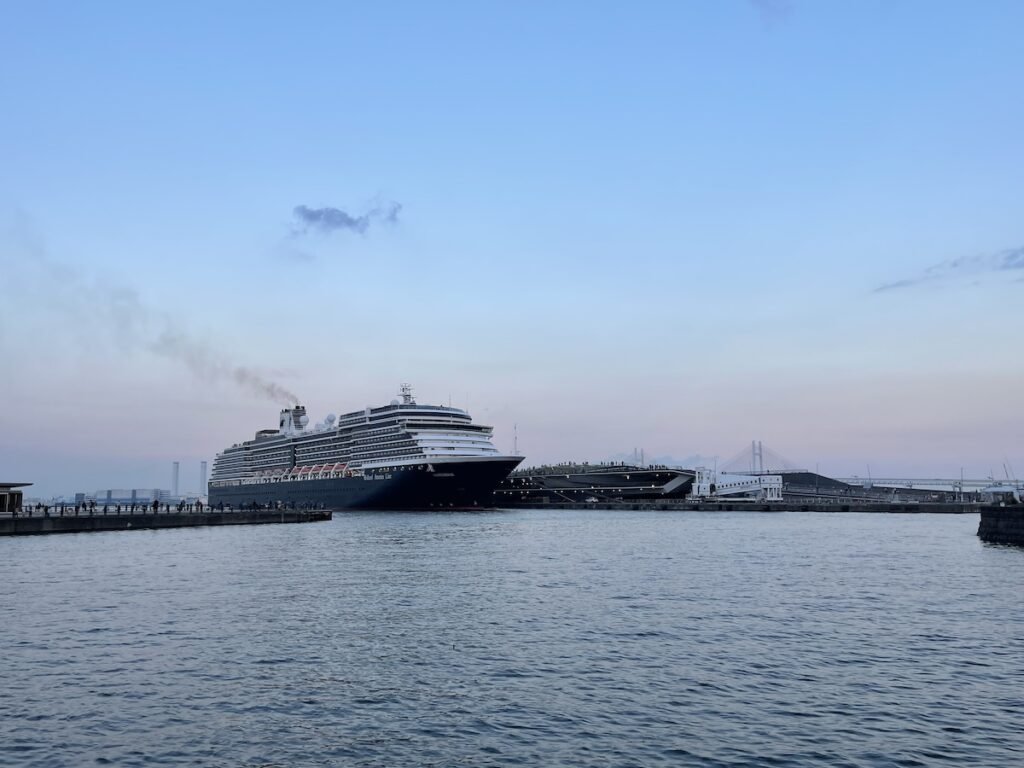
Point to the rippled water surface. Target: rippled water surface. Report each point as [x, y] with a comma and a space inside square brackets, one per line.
[529, 637]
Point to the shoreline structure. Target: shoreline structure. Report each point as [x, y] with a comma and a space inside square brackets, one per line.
[26, 523]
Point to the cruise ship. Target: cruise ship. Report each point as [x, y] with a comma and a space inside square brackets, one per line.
[398, 456]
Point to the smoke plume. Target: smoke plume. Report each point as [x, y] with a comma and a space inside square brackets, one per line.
[133, 325]
[208, 364]
[1009, 260]
[327, 220]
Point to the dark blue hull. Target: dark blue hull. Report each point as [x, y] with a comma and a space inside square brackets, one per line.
[449, 484]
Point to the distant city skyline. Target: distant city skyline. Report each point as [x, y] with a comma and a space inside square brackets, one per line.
[676, 226]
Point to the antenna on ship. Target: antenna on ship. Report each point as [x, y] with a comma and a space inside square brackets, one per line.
[405, 391]
[515, 439]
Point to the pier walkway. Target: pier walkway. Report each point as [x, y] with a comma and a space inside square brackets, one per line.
[787, 505]
[30, 522]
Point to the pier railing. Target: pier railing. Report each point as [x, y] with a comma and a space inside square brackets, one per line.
[120, 510]
[51, 521]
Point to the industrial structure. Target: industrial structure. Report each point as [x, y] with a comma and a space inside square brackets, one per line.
[755, 474]
[125, 497]
[709, 484]
[128, 497]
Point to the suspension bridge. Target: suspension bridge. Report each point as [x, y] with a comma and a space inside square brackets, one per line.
[760, 459]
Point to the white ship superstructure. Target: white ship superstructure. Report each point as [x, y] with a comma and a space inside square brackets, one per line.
[399, 437]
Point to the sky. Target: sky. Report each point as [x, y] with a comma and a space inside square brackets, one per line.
[676, 226]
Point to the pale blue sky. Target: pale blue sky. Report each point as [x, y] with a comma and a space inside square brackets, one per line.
[644, 224]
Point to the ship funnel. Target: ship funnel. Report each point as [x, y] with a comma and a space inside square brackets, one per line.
[293, 420]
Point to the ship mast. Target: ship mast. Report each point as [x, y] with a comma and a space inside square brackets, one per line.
[405, 391]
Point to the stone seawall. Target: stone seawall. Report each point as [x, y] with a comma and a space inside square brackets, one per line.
[1002, 525]
[753, 506]
[37, 524]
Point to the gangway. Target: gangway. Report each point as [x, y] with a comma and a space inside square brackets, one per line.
[711, 484]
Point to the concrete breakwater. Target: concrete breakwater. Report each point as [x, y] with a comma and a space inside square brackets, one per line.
[750, 506]
[1002, 525]
[42, 524]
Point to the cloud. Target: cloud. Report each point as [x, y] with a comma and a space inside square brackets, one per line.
[327, 220]
[772, 10]
[1009, 260]
[894, 285]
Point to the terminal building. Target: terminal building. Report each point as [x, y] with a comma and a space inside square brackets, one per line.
[10, 497]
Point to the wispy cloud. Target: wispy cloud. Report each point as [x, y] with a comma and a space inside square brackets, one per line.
[328, 219]
[772, 10]
[1009, 260]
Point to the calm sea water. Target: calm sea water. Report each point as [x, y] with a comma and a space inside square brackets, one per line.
[517, 638]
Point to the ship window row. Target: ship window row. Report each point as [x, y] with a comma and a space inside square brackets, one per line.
[432, 419]
[356, 445]
[412, 417]
[436, 434]
[455, 439]
[436, 450]
[386, 452]
[375, 438]
[342, 450]
[337, 440]
[382, 445]
[378, 439]
[383, 450]
[378, 455]
[417, 427]
[411, 408]
[455, 444]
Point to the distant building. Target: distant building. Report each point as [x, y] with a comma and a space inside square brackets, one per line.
[114, 496]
